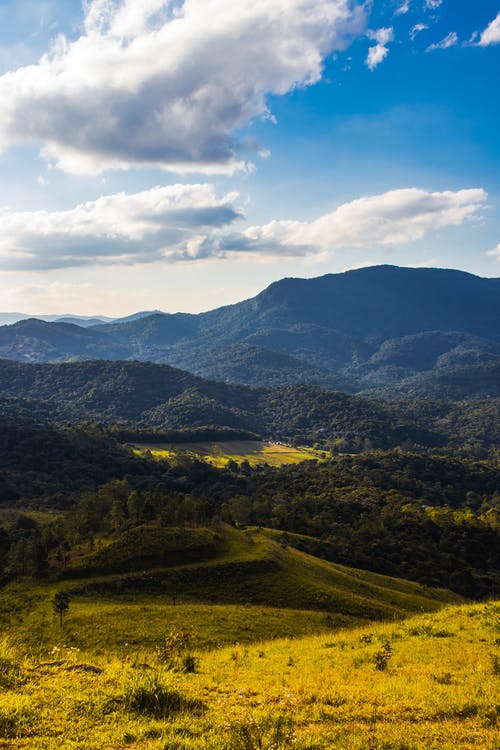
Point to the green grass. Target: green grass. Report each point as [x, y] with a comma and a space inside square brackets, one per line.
[247, 588]
[146, 547]
[242, 567]
[438, 691]
[220, 453]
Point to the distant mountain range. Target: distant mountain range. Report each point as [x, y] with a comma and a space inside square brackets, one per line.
[382, 330]
[85, 321]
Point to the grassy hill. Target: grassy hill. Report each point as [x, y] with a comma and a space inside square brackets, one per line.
[182, 566]
[425, 683]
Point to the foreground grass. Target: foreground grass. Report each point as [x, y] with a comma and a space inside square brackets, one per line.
[219, 454]
[436, 688]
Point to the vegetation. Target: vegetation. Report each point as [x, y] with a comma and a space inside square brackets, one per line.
[195, 564]
[61, 604]
[437, 690]
[234, 452]
[431, 519]
[153, 399]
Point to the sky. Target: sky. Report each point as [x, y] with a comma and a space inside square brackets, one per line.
[183, 154]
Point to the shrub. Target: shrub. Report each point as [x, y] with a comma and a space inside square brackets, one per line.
[495, 664]
[173, 646]
[382, 657]
[148, 696]
[10, 673]
[189, 664]
[271, 733]
[15, 721]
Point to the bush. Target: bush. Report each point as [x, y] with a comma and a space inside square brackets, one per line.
[148, 696]
[271, 733]
[10, 673]
[189, 664]
[382, 657]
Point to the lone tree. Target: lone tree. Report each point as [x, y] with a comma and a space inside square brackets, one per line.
[60, 604]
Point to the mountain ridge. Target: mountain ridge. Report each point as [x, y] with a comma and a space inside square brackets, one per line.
[336, 330]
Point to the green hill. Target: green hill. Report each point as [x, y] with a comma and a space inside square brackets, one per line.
[173, 567]
[154, 676]
[237, 567]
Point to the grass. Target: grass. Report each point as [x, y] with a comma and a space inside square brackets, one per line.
[320, 692]
[246, 567]
[247, 588]
[219, 454]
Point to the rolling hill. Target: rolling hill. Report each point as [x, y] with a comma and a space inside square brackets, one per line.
[146, 396]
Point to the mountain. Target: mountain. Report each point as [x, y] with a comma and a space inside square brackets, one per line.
[8, 318]
[359, 331]
[83, 322]
[137, 316]
[78, 320]
[146, 396]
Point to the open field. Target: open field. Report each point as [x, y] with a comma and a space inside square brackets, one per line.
[428, 683]
[220, 453]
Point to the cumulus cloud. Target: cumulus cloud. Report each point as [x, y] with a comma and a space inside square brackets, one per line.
[395, 217]
[118, 228]
[451, 40]
[380, 51]
[166, 83]
[495, 253]
[186, 223]
[491, 34]
[433, 4]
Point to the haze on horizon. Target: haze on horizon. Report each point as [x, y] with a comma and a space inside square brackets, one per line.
[161, 154]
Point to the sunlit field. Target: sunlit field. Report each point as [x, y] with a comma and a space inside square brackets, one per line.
[219, 454]
[428, 683]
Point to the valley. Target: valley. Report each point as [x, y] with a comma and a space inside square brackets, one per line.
[300, 553]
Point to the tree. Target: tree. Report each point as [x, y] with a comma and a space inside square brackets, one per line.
[60, 604]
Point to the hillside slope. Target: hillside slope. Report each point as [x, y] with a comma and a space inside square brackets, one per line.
[148, 395]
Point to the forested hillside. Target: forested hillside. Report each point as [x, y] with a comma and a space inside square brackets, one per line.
[158, 396]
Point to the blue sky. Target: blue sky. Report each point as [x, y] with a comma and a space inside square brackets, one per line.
[182, 154]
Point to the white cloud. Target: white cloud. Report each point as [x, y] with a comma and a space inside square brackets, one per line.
[380, 51]
[395, 217]
[186, 223]
[403, 8]
[167, 82]
[117, 228]
[433, 4]
[495, 253]
[451, 40]
[491, 34]
[417, 29]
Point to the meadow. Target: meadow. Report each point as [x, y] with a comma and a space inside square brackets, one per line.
[425, 683]
[219, 454]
